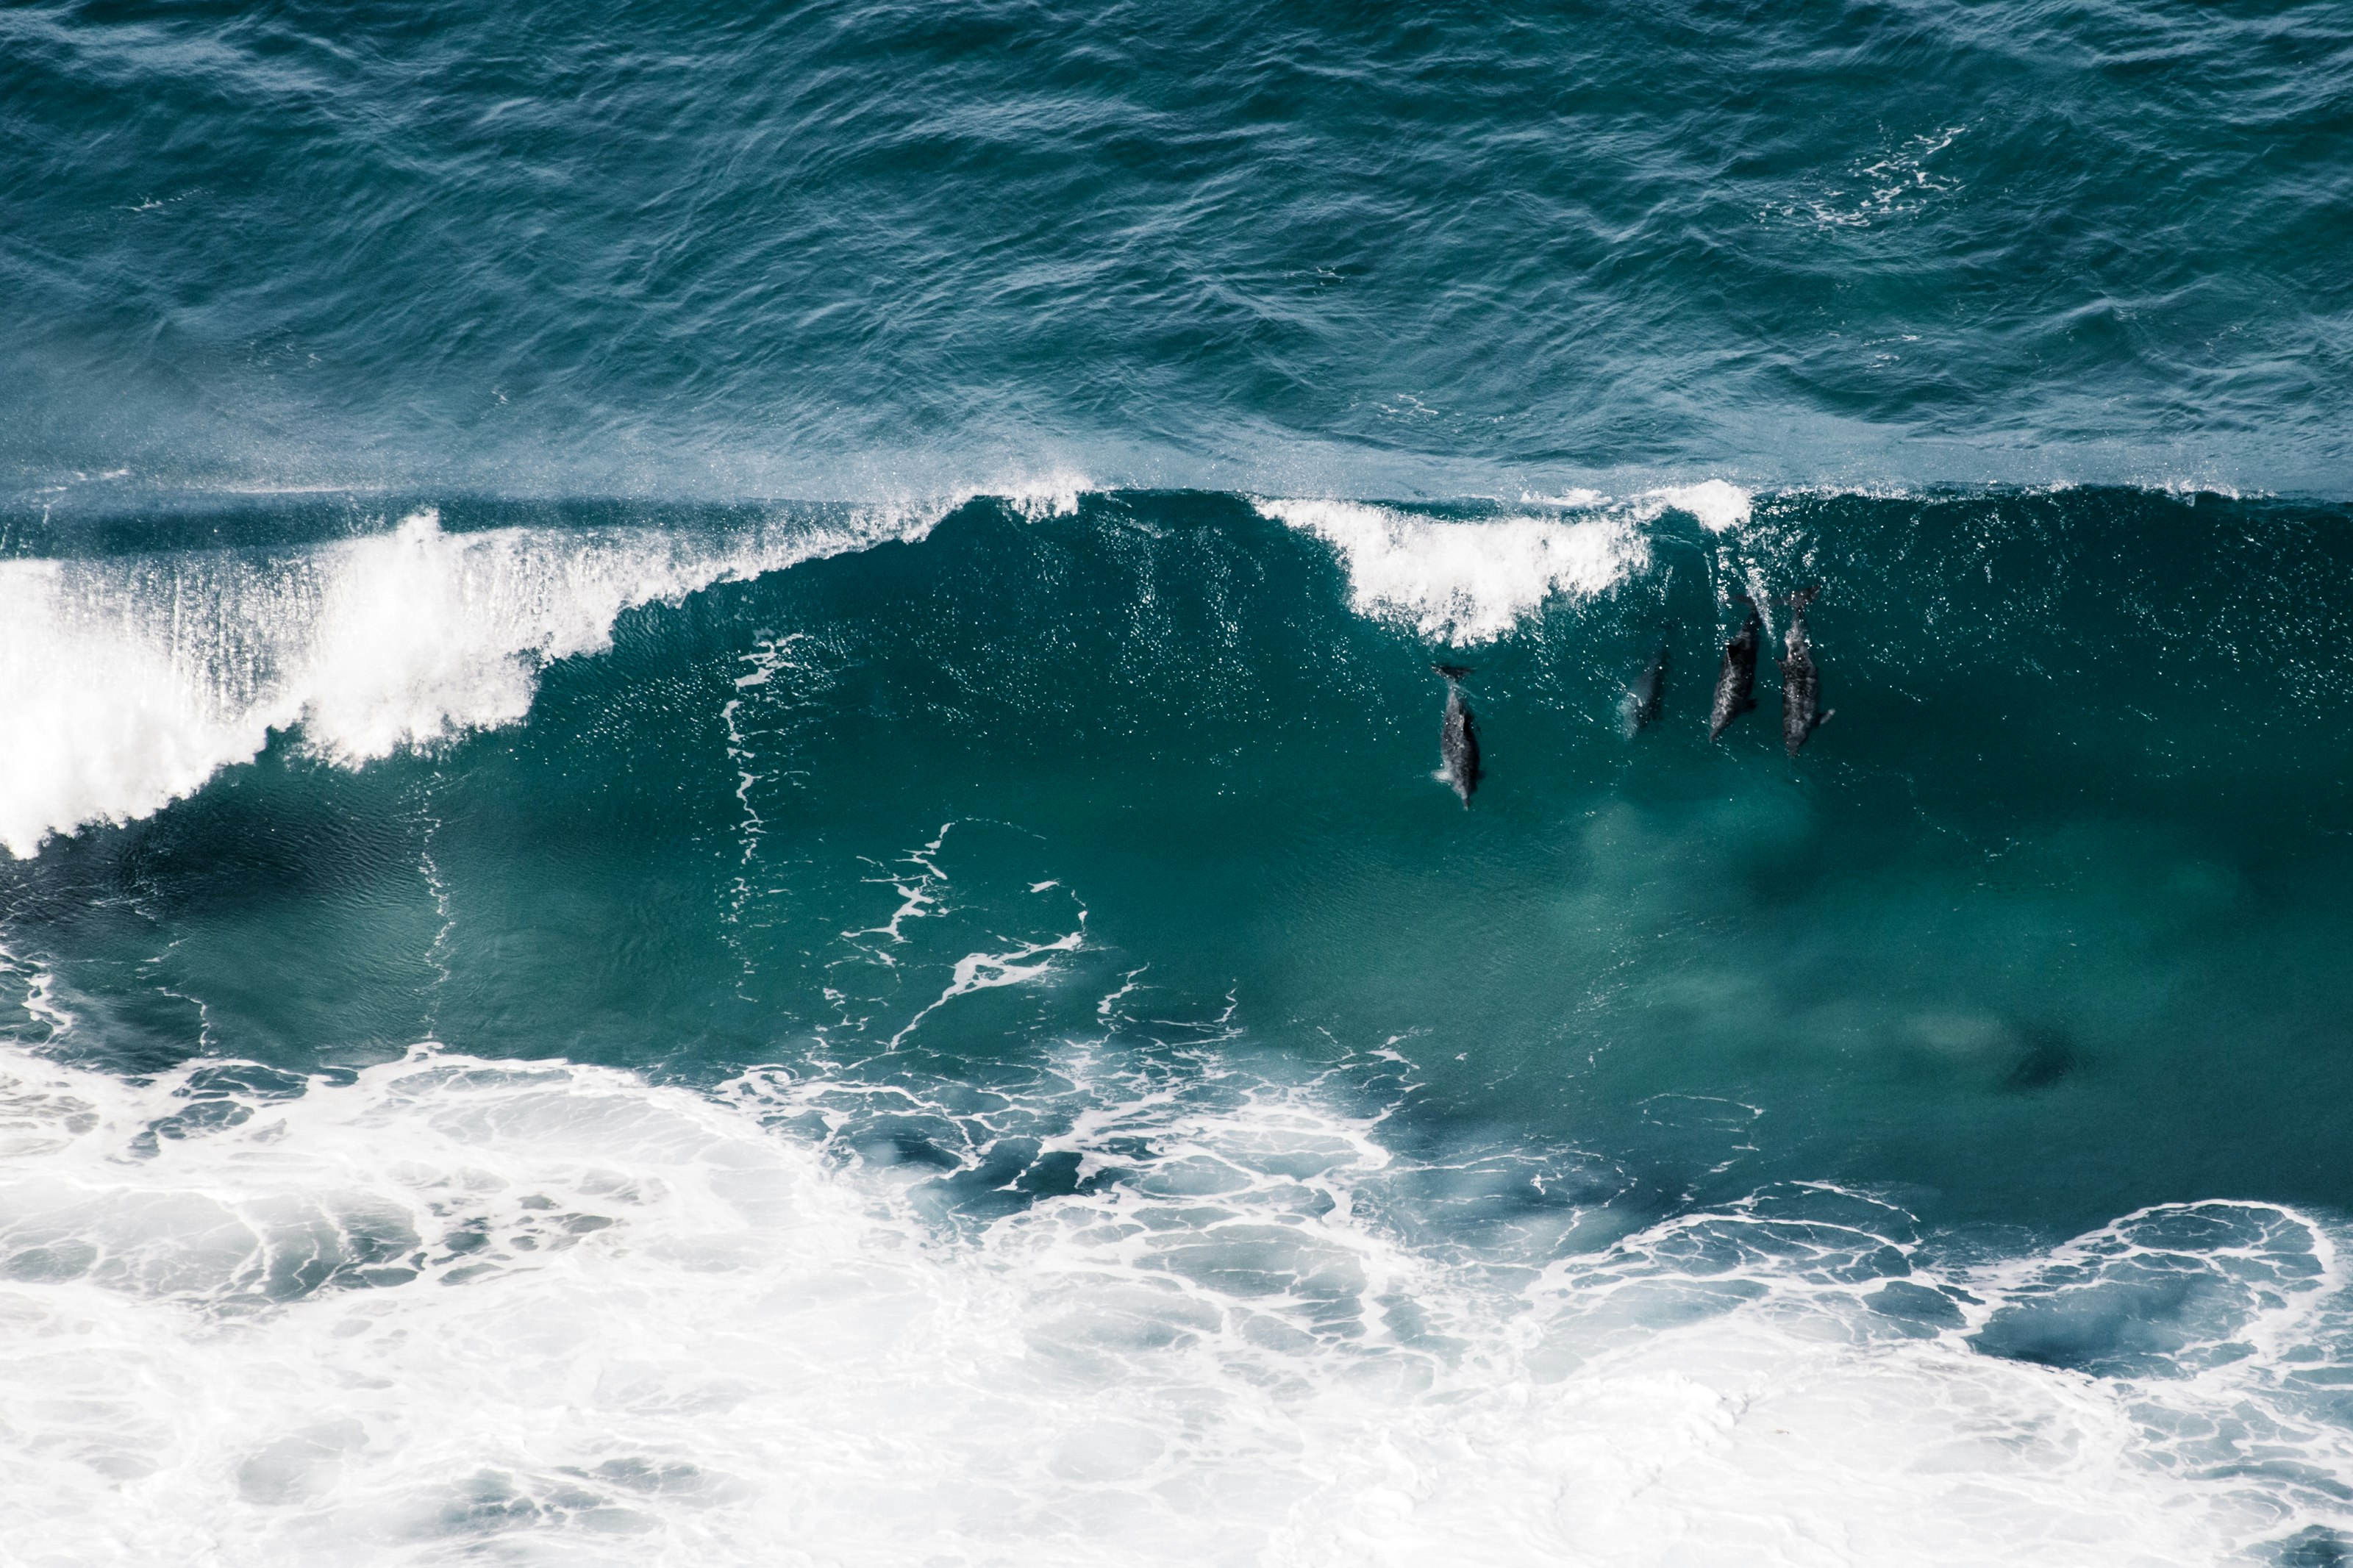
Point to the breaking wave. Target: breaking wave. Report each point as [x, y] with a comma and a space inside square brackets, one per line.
[1465, 580]
[126, 683]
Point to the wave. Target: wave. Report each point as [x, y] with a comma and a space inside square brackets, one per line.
[129, 679]
[1074, 1216]
[1466, 581]
[568, 1315]
[125, 684]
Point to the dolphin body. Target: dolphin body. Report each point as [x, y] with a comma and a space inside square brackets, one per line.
[1801, 683]
[1736, 682]
[1640, 705]
[1458, 737]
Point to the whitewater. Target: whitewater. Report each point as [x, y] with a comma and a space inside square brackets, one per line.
[450, 1306]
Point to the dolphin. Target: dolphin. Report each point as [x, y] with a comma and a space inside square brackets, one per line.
[1640, 703]
[1458, 737]
[1736, 681]
[1801, 683]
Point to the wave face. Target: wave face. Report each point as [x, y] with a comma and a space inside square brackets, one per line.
[626, 1034]
[841, 249]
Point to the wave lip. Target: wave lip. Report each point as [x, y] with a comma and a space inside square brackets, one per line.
[1464, 582]
[125, 685]
[1717, 505]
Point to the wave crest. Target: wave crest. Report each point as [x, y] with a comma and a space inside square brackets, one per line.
[125, 684]
[1464, 582]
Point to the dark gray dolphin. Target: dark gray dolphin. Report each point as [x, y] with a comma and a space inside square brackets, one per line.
[1458, 737]
[1640, 703]
[1735, 681]
[1801, 683]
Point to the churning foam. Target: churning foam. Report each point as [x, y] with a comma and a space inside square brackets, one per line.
[468, 1311]
[125, 684]
[1054, 493]
[1716, 504]
[1465, 582]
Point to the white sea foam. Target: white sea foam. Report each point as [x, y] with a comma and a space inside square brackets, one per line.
[1898, 183]
[990, 971]
[1035, 495]
[464, 1311]
[1717, 504]
[125, 684]
[1465, 581]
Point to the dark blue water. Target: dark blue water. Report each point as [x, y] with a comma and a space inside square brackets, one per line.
[835, 250]
[716, 772]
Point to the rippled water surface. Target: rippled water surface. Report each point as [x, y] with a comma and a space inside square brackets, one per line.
[836, 250]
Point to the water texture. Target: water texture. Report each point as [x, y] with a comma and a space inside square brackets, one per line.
[834, 249]
[720, 830]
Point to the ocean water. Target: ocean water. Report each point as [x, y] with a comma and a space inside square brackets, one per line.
[718, 828]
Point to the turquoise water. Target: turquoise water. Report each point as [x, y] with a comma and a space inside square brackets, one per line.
[722, 840]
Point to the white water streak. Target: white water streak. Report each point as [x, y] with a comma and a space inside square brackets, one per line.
[1467, 580]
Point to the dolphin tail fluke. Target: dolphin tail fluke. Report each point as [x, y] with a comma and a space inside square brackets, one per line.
[1802, 597]
[1452, 671]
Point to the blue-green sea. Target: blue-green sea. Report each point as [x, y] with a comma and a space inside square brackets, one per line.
[722, 833]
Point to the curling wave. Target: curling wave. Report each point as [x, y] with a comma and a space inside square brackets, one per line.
[126, 683]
